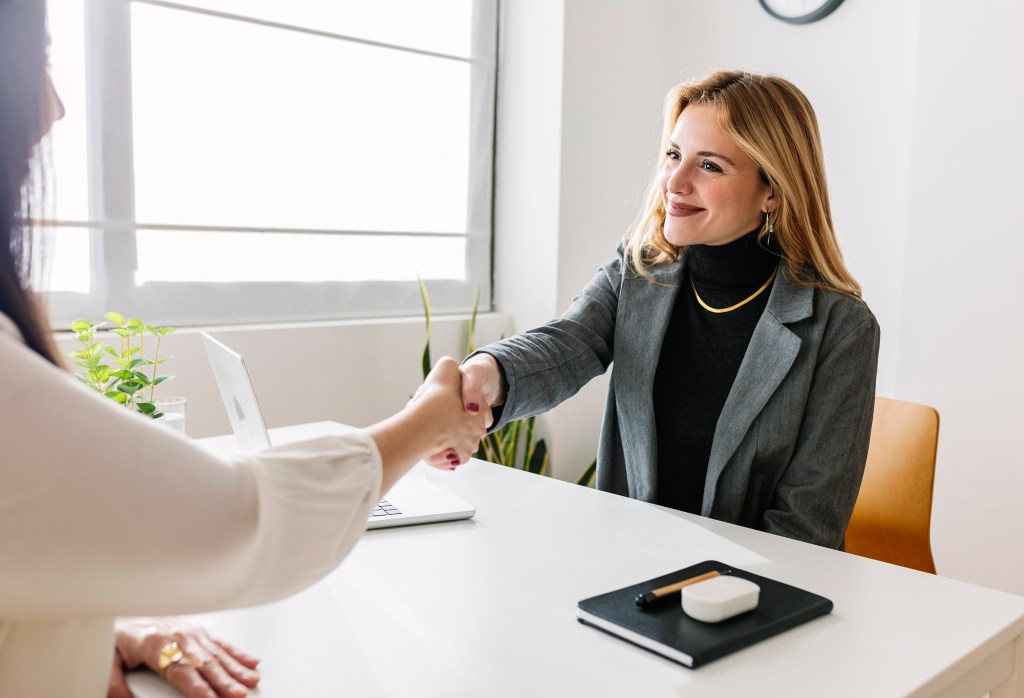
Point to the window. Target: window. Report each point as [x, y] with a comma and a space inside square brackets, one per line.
[230, 161]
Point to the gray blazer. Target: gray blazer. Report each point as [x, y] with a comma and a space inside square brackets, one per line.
[790, 445]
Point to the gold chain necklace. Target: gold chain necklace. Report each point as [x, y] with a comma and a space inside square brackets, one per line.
[742, 303]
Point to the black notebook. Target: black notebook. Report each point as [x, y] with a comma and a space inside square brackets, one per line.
[665, 629]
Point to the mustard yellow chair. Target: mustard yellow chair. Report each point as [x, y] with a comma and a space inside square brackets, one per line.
[893, 513]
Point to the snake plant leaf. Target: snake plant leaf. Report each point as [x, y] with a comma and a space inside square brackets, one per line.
[471, 334]
[538, 461]
[587, 478]
[513, 444]
[530, 445]
[425, 358]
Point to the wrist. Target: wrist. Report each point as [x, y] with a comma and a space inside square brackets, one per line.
[495, 387]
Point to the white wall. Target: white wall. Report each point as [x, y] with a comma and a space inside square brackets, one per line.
[901, 89]
[962, 324]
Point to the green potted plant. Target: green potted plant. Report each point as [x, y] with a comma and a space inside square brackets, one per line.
[120, 372]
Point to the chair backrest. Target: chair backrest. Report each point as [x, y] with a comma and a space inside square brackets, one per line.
[893, 514]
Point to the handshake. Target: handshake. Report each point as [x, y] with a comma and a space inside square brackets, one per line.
[454, 405]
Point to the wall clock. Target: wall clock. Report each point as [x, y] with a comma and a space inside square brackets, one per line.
[800, 11]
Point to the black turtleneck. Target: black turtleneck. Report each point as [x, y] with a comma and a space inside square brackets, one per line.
[700, 357]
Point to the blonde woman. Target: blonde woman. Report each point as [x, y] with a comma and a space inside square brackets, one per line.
[744, 356]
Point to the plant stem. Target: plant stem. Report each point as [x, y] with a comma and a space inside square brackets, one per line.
[152, 376]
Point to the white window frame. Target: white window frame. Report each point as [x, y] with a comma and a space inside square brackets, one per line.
[112, 223]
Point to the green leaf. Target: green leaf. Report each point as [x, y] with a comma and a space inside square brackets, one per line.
[84, 337]
[587, 478]
[471, 334]
[94, 347]
[137, 362]
[121, 332]
[160, 379]
[115, 318]
[164, 330]
[110, 350]
[130, 387]
[538, 462]
[146, 407]
[80, 325]
[506, 439]
[142, 378]
[157, 415]
[425, 357]
[492, 448]
[135, 324]
[123, 375]
[121, 398]
[530, 446]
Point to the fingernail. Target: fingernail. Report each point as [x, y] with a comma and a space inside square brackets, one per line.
[451, 467]
[473, 407]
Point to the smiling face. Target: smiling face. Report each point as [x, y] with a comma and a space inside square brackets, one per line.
[712, 191]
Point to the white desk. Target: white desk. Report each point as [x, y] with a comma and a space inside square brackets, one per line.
[486, 607]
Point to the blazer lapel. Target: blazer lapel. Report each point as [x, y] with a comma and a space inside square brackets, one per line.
[770, 354]
[639, 335]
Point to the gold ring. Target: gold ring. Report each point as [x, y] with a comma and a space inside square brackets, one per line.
[169, 654]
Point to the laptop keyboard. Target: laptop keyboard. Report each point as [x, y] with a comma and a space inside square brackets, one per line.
[384, 508]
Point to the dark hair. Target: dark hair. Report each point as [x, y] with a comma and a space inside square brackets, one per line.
[23, 55]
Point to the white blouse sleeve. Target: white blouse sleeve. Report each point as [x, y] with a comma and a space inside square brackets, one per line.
[103, 512]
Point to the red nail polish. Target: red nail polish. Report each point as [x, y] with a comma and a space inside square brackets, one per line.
[473, 407]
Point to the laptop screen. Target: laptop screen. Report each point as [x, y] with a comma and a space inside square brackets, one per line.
[238, 395]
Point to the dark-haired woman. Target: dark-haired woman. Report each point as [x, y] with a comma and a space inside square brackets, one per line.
[157, 525]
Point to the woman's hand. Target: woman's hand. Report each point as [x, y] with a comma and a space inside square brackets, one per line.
[482, 386]
[458, 430]
[209, 667]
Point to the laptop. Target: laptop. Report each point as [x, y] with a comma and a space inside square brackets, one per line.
[412, 500]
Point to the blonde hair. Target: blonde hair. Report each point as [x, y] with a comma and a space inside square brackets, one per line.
[772, 122]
